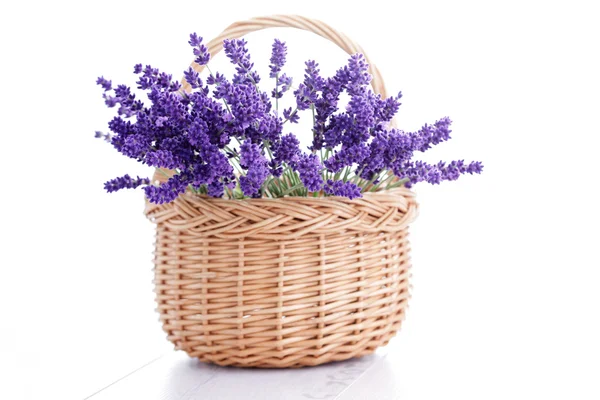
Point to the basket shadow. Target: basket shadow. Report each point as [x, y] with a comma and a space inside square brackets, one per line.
[190, 379]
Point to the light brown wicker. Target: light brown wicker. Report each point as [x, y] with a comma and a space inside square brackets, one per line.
[286, 282]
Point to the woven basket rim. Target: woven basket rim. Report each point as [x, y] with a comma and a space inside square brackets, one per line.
[402, 191]
[286, 217]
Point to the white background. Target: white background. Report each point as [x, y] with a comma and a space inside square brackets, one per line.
[506, 267]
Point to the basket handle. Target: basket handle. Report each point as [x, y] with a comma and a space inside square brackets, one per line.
[241, 28]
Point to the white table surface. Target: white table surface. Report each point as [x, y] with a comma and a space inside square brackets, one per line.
[175, 376]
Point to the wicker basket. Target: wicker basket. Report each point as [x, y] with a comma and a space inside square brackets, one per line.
[284, 282]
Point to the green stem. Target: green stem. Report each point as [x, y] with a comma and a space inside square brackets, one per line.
[346, 173]
[237, 167]
[273, 189]
[291, 190]
[232, 151]
[397, 184]
[327, 154]
[357, 175]
[363, 188]
[267, 145]
[312, 108]
[387, 178]
[238, 185]
[276, 96]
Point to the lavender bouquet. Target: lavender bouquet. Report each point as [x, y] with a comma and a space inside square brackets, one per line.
[226, 137]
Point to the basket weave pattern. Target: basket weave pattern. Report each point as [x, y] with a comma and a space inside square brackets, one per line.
[282, 282]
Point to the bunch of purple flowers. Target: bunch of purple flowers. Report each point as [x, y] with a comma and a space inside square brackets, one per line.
[226, 137]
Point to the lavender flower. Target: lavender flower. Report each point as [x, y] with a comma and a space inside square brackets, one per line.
[283, 82]
[200, 50]
[346, 157]
[236, 51]
[307, 92]
[245, 103]
[267, 128]
[121, 127]
[133, 146]
[152, 78]
[386, 109]
[291, 116]
[125, 182]
[358, 77]
[343, 189]
[219, 165]
[332, 133]
[420, 171]
[431, 135]
[454, 169]
[162, 159]
[309, 167]
[277, 57]
[193, 78]
[474, 167]
[288, 149]
[374, 163]
[106, 84]
[107, 137]
[168, 191]
[257, 166]
[361, 113]
[312, 79]
[192, 133]
[216, 189]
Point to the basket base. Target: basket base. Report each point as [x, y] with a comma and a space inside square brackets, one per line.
[289, 358]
